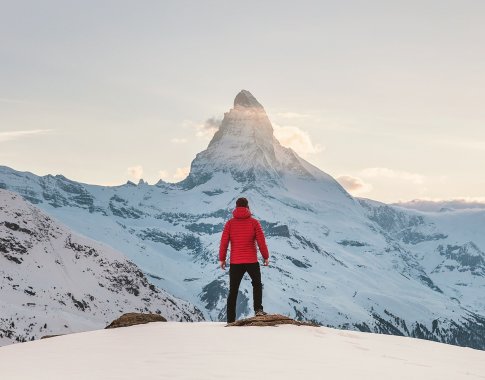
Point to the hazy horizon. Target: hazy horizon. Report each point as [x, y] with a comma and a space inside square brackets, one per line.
[387, 98]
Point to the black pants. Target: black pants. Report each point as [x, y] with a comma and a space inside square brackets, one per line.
[236, 273]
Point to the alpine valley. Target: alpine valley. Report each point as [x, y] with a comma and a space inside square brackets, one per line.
[336, 260]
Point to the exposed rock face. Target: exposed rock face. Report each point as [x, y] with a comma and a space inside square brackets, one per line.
[50, 336]
[246, 99]
[132, 319]
[270, 320]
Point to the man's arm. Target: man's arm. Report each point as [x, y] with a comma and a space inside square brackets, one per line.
[260, 239]
[224, 244]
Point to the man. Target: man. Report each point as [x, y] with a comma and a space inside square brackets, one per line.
[243, 231]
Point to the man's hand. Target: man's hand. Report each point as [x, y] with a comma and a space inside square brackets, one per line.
[266, 262]
[222, 265]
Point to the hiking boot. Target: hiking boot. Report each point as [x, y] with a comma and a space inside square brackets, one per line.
[259, 313]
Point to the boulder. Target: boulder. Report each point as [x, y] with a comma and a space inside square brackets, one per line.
[132, 319]
[50, 336]
[270, 320]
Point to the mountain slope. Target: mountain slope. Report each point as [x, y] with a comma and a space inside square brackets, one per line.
[55, 281]
[448, 246]
[340, 261]
[180, 351]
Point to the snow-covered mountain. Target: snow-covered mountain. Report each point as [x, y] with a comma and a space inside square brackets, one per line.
[442, 206]
[55, 281]
[171, 350]
[341, 261]
[245, 147]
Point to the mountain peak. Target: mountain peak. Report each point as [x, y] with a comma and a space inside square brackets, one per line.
[245, 146]
[246, 99]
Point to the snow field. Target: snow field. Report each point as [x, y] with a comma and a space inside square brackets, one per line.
[206, 350]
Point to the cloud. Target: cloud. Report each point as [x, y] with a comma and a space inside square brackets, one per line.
[293, 115]
[415, 178]
[354, 185]
[15, 135]
[296, 139]
[181, 173]
[177, 176]
[135, 172]
[208, 128]
[177, 140]
[438, 204]
[163, 174]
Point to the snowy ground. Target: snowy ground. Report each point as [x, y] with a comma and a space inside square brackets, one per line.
[211, 351]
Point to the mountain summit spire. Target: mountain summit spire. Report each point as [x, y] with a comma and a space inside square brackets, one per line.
[245, 147]
[246, 99]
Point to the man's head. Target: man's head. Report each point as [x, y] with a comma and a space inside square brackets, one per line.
[242, 202]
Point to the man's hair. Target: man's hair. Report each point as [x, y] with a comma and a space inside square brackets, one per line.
[242, 202]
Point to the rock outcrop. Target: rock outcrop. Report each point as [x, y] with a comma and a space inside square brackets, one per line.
[270, 320]
[132, 319]
[51, 336]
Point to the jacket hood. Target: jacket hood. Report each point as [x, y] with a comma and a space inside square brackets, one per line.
[241, 213]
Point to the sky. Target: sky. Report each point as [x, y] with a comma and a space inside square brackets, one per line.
[386, 96]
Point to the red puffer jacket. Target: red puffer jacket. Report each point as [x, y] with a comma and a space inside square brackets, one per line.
[243, 231]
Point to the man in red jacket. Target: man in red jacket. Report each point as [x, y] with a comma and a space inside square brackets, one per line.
[243, 231]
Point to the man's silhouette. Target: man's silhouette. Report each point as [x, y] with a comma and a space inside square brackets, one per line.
[243, 231]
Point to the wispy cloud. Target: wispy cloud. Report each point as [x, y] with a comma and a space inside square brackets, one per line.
[321, 120]
[204, 130]
[178, 175]
[15, 135]
[135, 172]
[415, 178]
[296, 139]
[207, 128]
[354, 185]
[293, 115]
